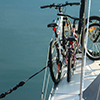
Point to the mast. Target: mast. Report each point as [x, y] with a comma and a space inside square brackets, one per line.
[80, 32]
[83, 15]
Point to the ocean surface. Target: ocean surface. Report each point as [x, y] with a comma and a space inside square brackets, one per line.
[24, 42]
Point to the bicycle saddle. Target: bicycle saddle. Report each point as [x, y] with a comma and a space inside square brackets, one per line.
[52, 25]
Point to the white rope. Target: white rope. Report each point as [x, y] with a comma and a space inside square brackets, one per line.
[84, 64]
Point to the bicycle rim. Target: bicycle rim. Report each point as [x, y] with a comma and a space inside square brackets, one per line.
[93, 44]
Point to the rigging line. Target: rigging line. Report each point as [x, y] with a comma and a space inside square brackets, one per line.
[47, 86]
[47, 83]
[44, 84]
[36, 73]
[44, 81]
[20, 84]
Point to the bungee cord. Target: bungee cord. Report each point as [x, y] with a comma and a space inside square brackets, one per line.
[21, 83]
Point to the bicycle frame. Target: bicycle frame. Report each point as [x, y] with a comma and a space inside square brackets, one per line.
[59, 34]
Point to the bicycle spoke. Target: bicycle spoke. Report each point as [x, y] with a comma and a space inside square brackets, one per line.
[89, 46]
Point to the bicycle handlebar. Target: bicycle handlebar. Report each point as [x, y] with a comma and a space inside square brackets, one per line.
[71, 4]
[60, 5]
[51, 5]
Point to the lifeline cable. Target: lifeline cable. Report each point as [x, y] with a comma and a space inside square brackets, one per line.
[21, 83]
[44, 81]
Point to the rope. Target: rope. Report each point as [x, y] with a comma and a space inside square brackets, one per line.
[20, 84]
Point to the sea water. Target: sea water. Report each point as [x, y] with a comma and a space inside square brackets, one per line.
[24, 42]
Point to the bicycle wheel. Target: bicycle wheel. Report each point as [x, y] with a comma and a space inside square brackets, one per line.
[54, 63]
[93, 43]
[69, 66]
[93, 19]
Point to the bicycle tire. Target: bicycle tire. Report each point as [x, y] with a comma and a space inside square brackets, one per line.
[93, 50]
[69, 65]
[93, 19]
[65, 35]
[54, 62]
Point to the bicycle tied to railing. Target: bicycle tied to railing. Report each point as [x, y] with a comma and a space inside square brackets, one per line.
[58, 48]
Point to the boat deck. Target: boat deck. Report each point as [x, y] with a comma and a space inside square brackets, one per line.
[71, 91]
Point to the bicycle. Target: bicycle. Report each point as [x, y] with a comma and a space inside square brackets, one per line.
[58, 47]
[93, 44]
[72, 48]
